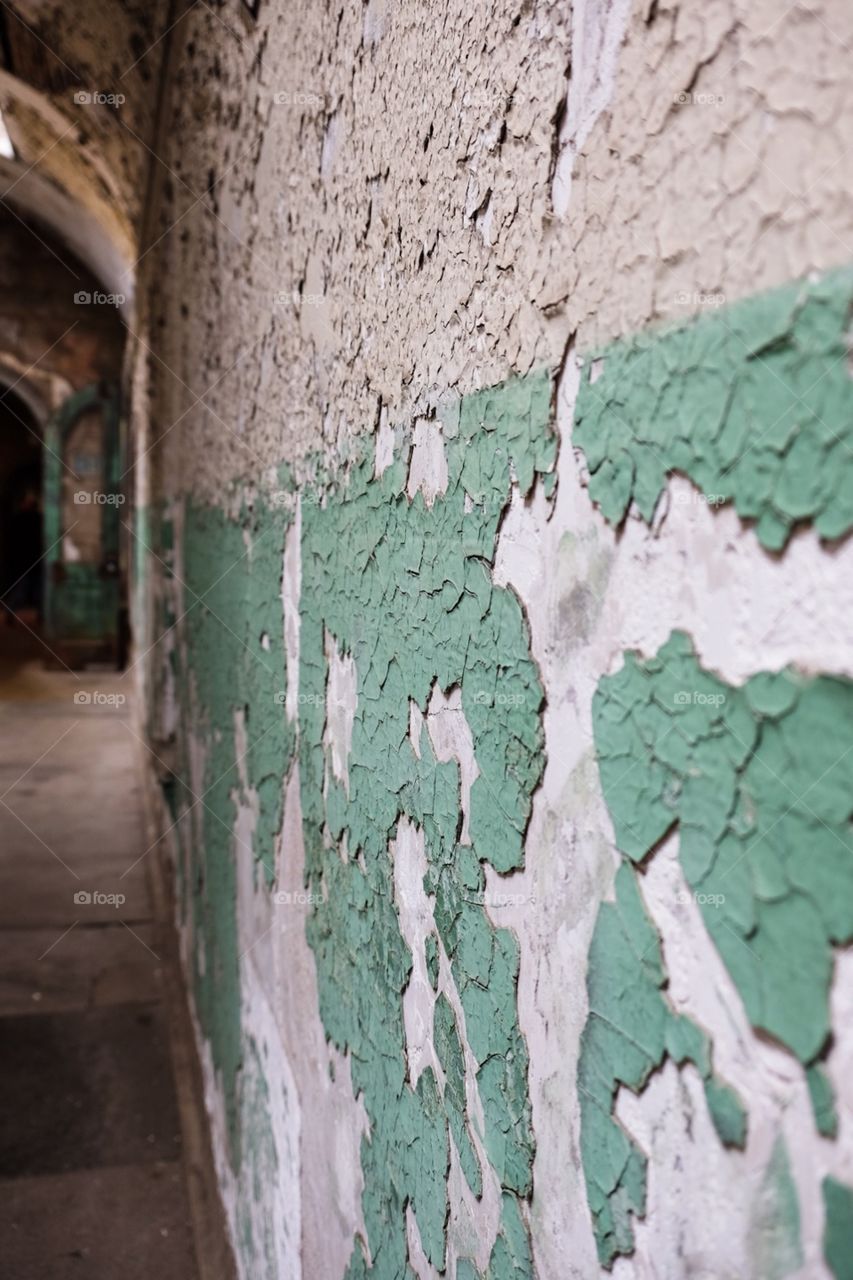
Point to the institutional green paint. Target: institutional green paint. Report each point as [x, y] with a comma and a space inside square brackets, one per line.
[406, 591]
[232, 628]
[757, 779]
[838, 1228]
[753, 401]
[629, 1031]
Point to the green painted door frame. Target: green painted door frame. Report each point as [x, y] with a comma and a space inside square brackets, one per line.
[82, 592]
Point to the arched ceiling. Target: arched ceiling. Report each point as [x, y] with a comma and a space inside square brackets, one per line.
[79, 100]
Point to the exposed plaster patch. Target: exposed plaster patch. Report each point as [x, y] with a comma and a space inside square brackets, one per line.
[271, 1124]
[731, 1184]
[341, 703]
[450, 735]
[598, 28]
[416, 924]
[385, 442]
[671, 1115]
[428, 464]
[335, 1121]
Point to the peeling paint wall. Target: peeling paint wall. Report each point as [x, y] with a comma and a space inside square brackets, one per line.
[494, 451]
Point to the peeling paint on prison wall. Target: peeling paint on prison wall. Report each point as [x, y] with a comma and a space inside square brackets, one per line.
[399, 620]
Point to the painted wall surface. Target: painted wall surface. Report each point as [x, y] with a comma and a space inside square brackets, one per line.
[493, 430]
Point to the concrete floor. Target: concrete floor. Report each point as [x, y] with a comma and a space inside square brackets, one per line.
[93, 1171]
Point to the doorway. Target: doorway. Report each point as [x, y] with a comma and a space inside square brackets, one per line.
[21, 523]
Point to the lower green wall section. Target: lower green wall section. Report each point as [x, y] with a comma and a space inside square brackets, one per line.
[758, 779]
[629, 1031]
[406, 591]
[233, 632]
[838, 1228]
[752, 402]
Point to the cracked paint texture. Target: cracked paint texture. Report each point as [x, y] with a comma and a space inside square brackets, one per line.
[231, 625]
[630, 1030]
[757, 779]
[362, 241]
[754, 402]
[398, 595]
[405, 590]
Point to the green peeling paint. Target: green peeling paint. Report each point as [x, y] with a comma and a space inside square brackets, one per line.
[406, 591]
[758, 780]
[232, 628]
[630, 1029]
[838, 1228]
[753, 401]
[822, 1100]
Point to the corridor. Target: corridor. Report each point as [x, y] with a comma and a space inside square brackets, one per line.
[93, 1056]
